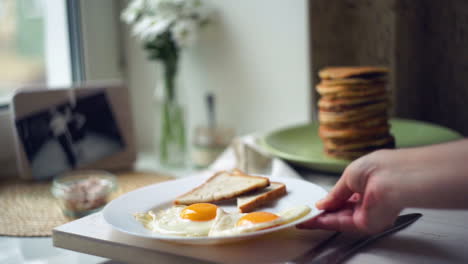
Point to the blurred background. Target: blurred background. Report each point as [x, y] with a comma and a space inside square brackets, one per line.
[259, 58]
[254, 58]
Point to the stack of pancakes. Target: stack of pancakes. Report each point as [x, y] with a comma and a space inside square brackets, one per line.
[353, 111]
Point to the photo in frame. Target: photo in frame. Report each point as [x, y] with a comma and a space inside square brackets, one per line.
[66, 129]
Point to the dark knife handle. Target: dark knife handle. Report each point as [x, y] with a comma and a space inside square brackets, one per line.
[342, 253]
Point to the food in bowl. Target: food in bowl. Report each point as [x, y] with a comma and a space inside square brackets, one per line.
[83, 192]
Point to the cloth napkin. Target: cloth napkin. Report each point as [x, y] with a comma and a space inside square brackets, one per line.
[247, 155]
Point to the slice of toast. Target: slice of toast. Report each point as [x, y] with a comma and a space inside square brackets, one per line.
[223, 185]
[249, 202]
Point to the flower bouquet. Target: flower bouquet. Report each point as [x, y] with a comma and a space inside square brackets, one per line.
[165, 27]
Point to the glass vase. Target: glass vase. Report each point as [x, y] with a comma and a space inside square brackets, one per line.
[172, 147]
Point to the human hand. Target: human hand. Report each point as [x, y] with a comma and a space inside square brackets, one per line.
[375, 188]
[365, 199]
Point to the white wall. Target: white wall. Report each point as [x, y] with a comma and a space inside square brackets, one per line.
[254, 58]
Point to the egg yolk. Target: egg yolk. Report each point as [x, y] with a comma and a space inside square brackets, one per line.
[199, 212]
[255, 218]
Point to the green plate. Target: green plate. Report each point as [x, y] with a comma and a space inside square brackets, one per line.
[302, 145]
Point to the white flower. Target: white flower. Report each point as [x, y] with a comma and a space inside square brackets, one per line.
[149, 28]
[163, 7]
[184, 32]
[151, 18]
[130, 14]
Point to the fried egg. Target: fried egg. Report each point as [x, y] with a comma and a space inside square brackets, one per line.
[204, 219]
[193, 220]
[227, 224]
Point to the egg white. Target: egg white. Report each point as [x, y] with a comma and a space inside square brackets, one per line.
[225, 224]
[169, 222]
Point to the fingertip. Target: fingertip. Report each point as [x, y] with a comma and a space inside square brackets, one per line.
[329, 203]
[321, 204]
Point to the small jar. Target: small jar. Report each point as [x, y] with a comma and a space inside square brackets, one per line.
[209, 143]
[83, 192]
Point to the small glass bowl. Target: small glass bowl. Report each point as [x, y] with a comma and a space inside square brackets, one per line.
[83, 192]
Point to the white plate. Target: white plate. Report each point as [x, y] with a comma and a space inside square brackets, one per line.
[119, 212]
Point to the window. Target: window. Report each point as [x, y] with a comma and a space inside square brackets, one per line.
[51, 43]
[22, 51]
[39, 44]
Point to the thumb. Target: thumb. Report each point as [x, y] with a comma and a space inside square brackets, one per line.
[353, 180]
[337, 196]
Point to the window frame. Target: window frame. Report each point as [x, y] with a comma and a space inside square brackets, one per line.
[57, 44]
[74, 49]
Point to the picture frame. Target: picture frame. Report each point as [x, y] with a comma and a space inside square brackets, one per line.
[88, 126]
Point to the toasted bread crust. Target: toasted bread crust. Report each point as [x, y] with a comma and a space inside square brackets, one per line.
[263, 198]
[229, 194]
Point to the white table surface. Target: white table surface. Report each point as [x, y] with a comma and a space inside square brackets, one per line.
[37, 250]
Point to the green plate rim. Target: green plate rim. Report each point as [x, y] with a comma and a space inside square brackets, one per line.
[334, 165]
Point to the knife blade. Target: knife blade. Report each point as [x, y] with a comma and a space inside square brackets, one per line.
[343, 252]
